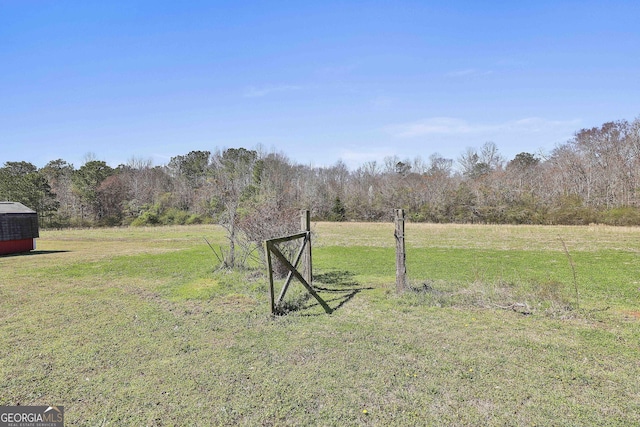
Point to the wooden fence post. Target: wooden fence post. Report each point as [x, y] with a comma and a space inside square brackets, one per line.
[305, 225]
[401, 267]
[267, 251]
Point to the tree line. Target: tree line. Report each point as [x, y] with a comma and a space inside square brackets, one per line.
[592, 178]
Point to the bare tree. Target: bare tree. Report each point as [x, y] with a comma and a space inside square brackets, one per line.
[232, 178]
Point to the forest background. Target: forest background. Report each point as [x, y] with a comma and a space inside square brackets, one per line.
[592, 178]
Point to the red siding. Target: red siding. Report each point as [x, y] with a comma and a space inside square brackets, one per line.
[16, 246]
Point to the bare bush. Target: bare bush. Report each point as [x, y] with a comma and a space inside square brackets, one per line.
[268, 221]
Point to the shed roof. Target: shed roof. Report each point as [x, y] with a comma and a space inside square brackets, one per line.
[14, 208]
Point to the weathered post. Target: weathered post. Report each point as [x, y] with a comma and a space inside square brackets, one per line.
[305, 224]
[267, 251]
[401, 267]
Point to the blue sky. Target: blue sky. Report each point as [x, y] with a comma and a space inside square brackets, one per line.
[319, 81]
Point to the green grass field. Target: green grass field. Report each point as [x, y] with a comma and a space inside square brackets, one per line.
[137, 327]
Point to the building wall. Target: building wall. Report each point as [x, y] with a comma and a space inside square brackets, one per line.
[16, 246]
[18, 226]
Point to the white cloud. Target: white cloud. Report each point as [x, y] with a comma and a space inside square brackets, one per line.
[357, 156]
[537, 124]
[460, 73]
[450, 135]
[456, 126]
[431, 126]
[382, 102]
[338, 70]
[469, 72]
[257, 92]
[512, 63]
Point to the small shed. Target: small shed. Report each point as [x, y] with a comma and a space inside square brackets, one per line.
[18, 228]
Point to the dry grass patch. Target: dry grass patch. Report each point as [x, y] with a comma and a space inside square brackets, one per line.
[481, 236]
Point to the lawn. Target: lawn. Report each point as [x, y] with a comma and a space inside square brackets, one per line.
[503, 325]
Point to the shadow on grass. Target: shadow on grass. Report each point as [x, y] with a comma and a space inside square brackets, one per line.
[340, 284]
[31, 253]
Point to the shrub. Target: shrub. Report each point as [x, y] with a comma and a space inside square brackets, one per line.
[174, 216]
[570, 210]
[149, 217]
[626, 215]
[194, 219]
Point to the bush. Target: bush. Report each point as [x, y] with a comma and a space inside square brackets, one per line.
[110, 221]
[267, 221]
[519, 214]
[56, 221]
[174, 216]
[158, 214]
[570, 210]
[338, 211]
[195, 219]
[626, 215]
[149, 217]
